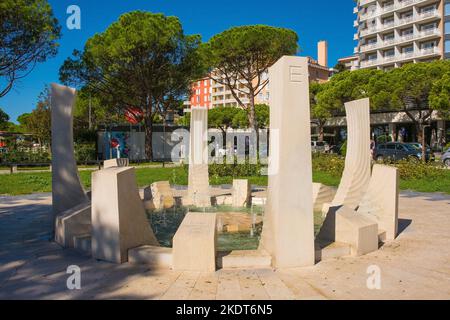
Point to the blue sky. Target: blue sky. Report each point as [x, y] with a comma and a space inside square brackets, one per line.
[313, 21]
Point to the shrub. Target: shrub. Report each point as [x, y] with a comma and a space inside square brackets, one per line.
[329, 163]
[235, 170]
[415, 170]
[25, 156]
[85, 152]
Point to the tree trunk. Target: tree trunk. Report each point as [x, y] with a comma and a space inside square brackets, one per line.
[421, 139]
[253, 123]
[251, 112]
[148, 128]
[321, 132]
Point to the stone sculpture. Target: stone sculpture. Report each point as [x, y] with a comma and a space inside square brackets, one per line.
[162, 195]
[357, 230]
[356, 176]
[72, 223]
[198, 188]
[242, 193]
[119, 221]
[119, 162]
[67, 191]
[288, 231]
[194, 244]
[380, 203]
[322, 194]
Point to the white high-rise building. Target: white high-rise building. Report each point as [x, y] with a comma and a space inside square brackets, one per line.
[391, 33]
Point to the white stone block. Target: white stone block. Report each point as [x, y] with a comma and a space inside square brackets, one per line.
[119, 162]
[162, 195]
[381, 200]
[357, 230]
[194, 244]
[242, 193]
[119, 221]
[155, 257]
[73, 222]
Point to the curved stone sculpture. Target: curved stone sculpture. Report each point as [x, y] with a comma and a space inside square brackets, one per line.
[67, 191]
[356, 176]
[288, 231]
[198, 188]
[381, 201]
[322, 194]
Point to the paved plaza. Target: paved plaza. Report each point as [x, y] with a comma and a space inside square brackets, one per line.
[414, 266]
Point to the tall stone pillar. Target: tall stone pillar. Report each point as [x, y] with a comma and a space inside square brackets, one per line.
[288, 232]
[198, 188]
[67, 191]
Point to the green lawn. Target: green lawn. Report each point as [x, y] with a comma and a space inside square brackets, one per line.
[26, 183]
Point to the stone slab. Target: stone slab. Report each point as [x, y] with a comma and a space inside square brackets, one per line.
[242, 191]
[243, 259]
[357, 230]
[119, 220]
[118, 162]
[194, 244]
[71, 223]
[155, 257]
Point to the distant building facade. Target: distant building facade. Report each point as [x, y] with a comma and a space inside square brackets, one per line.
[391, 33]
[212, 94]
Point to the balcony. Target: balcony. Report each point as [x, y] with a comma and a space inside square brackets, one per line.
[429, 51]
[428, 14]
[369, 63]
[401, 57]
[405, 21]
[390, 8]
[435, 32]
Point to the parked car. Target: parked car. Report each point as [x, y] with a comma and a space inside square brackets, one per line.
[320, 146]
[418, 146]
[398, 151]
[446, 158]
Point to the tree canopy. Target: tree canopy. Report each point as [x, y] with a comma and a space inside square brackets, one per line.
[239, 57]
[143, 60]
[4, 119]
[28, 35]
[418, 90]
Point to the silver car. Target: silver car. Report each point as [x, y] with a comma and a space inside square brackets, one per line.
[446, 158]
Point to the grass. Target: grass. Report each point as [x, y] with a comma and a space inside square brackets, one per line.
[36, 182]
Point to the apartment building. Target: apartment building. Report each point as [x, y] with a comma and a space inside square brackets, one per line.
[211, 94]
[391, 33]
[201, 93]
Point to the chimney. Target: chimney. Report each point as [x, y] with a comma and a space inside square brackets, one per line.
[322, 53]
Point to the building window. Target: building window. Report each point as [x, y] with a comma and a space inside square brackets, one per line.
[447, 9]
[447, 27]
[447, 46]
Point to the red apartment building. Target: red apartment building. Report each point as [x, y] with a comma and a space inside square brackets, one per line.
[201, 93]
